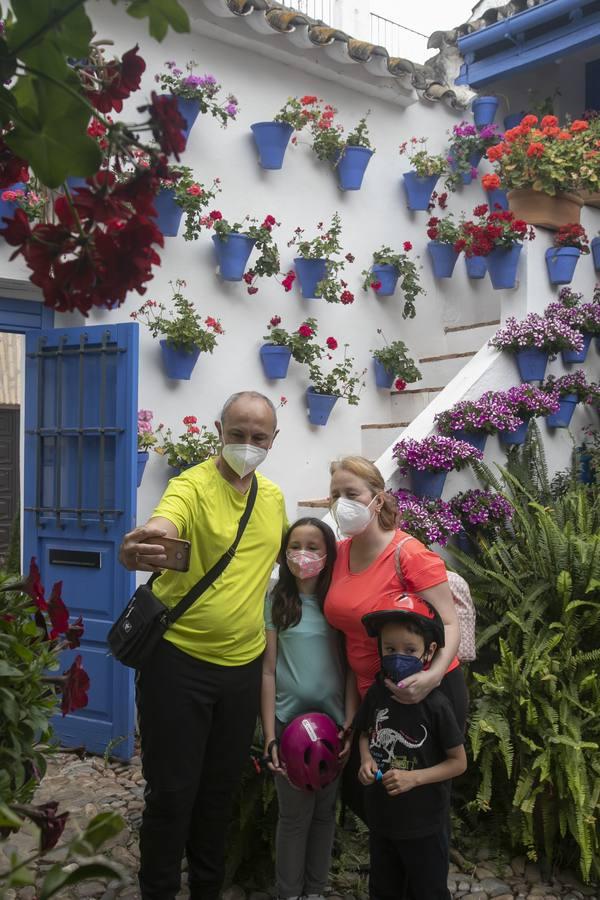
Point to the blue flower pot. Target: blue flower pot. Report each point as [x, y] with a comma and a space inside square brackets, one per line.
[384, 378]
[514, 438]
[189, 109]
[419, 190]
[271, 139]
[572, 356]
[142, 459]
[595, 245]
[561, 262]
[427, 484]
[233, 253]
[275, 360]
[532, 364]
[319, 406]
[310, 272]
[497, 198]
[352, 166]
[443, 259]
[168, 212]
[562, 417]
[388, 276]
[476, 266]
[484, 110]
[585, 470]
[75, 181]
[476, 439]
[465, 544]
[8, 207]
[503, 265]
[474, 160]
[512, 120]
[178, 364]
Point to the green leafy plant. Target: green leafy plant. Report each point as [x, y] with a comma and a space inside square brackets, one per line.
[267, 264]
[298, 112]
[326, 245]
[425, 164]
[193, 197]
[328, 138]
[341, 381]
[408, 274]
[203, 88]
[301, 342]
[185, 328]
[394, 357]
[196, 444]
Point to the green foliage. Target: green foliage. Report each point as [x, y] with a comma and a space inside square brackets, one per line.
[341, 381]
[301, 342]
[196, 444]
[184, 329]
[394, 357]
[408, 274]
[251, 845]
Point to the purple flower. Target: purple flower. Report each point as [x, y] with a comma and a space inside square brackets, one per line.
[547, 333]
[206, 80]
[231, 110]
[434, 454]
[489, 414]
[193, 81]
[177, 72]
[573, 384]
[481, 511]
[430, 521]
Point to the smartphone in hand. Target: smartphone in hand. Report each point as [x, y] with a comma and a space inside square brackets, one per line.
[177, 552]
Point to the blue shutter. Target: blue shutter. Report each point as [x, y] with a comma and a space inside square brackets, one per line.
[592, 85]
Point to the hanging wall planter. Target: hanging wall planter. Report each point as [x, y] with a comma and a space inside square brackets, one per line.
[465, 544]
[189, 109]
[419, 189]
[497, 198]
[178, 364]
[476, 266]
[537, 208]
[477, 439]
[532, 364]
[275, 359]
[352, 166]
[502, 265]
[384, 378]
[142, 459]
[577, 356]
[561, 263]
[427, 484]
[595, 245]
[310, 272]
[443, 258]
[562, 418]
[387, 276]
[271, 140]
[514, 438]
[319, 406]
[474, 160]
[484, 110]
[233, 254]
[168, 212]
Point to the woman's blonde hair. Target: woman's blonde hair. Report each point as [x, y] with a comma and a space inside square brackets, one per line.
[370, 474]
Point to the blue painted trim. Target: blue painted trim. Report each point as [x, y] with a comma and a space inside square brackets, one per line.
[532, 53]
[21, 316]
[592, 85]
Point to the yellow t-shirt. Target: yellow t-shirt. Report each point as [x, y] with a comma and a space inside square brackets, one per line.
[226, 624]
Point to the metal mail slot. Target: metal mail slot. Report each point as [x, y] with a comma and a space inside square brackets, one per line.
[88, 559]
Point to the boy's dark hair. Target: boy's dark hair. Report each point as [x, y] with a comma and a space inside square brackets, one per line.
[414, 627]
[286, 606]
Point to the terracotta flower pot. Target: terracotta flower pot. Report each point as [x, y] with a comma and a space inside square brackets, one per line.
[537, 208]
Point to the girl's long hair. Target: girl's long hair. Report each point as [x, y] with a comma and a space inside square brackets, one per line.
[286, 606]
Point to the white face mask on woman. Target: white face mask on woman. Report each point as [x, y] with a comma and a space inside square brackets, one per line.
[351, 516]
[243, 458]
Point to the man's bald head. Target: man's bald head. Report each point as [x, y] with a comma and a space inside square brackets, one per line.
[245, 402]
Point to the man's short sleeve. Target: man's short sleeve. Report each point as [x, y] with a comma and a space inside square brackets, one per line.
[268, 617]
[449, 732]
[179, 504]
[421, 568]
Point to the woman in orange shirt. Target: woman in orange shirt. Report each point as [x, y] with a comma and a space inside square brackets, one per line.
[365, 573]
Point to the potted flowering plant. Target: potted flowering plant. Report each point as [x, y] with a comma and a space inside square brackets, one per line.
[272, 137]
[543, 166]
[569, 242]
[387, 267]
[196, 94]
[429, 461]
[31, 199]
[484, 109]
[582, 317]
[146, 440]
[473, 420]
[193, 446]
[481, 514]
[499, 237]
[421, 180]
[533, 340]
[234, 242]
[526, 402]
[317, 270]
[443, 235]
[349, 155]
[467, 146]
[428, 519]
[281, 345]
[327, 387]
[180, 193]
[391, 362]
[570, 390]
[186, 335]
[496, 197]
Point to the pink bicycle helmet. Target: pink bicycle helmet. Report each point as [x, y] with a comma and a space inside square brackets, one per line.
[309, 749]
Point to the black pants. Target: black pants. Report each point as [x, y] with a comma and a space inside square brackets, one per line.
[196, 723]
[423, 860]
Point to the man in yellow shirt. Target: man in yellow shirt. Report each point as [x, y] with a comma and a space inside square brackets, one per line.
[198, 695]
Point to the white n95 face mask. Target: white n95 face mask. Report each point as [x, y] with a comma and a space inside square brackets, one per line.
[351, 516]
[243, 458]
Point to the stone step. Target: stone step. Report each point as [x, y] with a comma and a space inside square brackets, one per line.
[377, 437]
[406, 405]
[442, 368]
[462, 338]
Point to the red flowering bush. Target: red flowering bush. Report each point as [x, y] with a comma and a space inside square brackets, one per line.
[299, 112]
[184, 327]
[301, 342]
[328, 138]
[193, 446]
[489, 230]
[444, 231]
[327, 245]
[267, 263]
[572, 235]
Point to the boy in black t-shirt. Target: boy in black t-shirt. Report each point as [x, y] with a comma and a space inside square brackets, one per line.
[409, 753]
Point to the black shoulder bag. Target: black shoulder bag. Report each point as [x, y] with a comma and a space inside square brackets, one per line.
[134, 636]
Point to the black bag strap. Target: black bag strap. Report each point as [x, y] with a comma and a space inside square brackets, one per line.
[219, 567]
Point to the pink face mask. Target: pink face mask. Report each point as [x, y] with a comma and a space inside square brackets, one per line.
[305, 563]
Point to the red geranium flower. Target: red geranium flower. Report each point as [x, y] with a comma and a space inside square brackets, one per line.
[549, 122]
[376, 285]
[347, 297]
[535, 149]
[529, 120]
[75, 688]
[215, 215]
[490, 182]
[253, 290]
[331, 343]
[189, 420]
[579, 125]
[399, 384]
[407, 246]
[349, 258]
[120, 79]
[34, 587]
[308, 99]
[288, 281]
[167, 123]
[275, 321]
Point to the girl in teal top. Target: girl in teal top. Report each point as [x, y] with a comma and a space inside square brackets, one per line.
[304, 671]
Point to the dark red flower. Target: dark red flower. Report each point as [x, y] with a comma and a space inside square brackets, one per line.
[51, 826]
[349, 258]
[12, 168]
[275, 321]
[288, 281]
[34, 587]
[481, 210]
[74, 633]
[305, 331]
[58, 612]
[376, 285]
[332, 343]
[75, 688]
[190, 420]
[407, 246]
[167, 123]
[215, 215]
[248, 277]
[347, 297]
[399, 384]
[253, 290]
[119, 80]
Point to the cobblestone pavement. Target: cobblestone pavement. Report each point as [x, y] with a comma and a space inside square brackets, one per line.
[87, 787]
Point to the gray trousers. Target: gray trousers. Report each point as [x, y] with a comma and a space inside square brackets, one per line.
[304, 840]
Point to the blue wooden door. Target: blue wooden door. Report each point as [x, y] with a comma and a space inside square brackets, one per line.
[79, 500]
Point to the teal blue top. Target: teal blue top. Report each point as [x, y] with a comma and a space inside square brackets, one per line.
[310, 673]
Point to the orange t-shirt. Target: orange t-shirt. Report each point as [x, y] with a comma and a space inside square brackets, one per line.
[353, 595]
